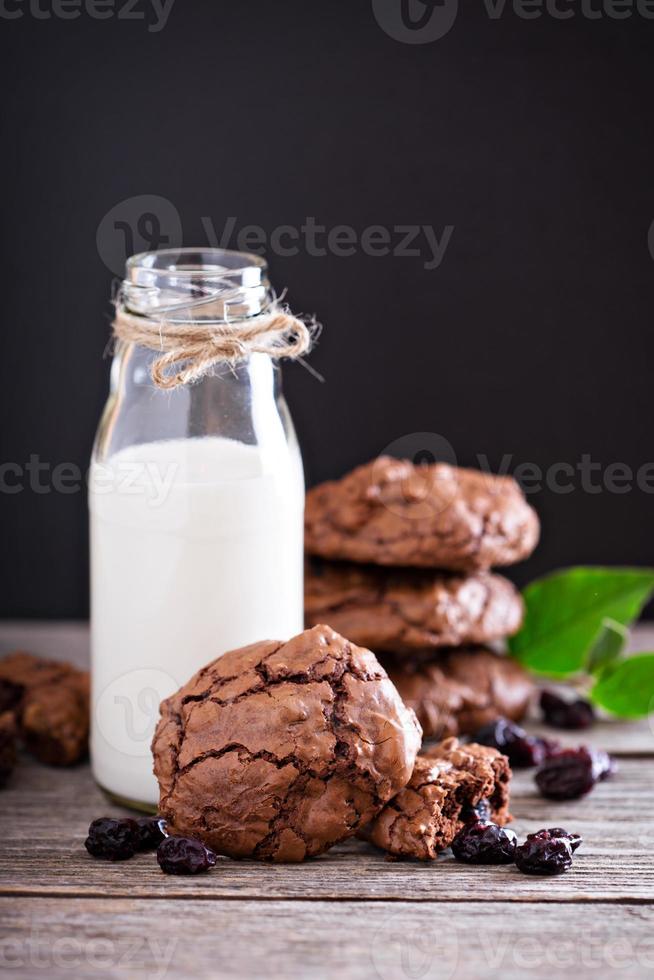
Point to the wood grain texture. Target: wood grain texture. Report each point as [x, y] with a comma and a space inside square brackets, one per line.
[350, 913]
[51, 809]
[311, 941]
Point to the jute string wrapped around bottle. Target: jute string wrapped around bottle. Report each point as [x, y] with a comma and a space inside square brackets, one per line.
[189, 350]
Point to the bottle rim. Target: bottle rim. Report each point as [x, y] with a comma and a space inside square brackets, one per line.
[190, 284]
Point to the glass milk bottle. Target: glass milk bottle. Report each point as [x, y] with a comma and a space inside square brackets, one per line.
[196, 498]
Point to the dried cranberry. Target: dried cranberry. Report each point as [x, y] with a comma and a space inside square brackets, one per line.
[113, 840]
[527, 752]
[560, 712]
[574, 840]
[184, 856]
[571, 773]
[479, 813]
[499, 734]
[522, 750]
[150, 833]
[547, 852]
[605, 764]
[485, 843]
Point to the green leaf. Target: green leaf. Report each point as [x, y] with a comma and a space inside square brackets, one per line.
[609, 645]
[565, 612]
[626, 688]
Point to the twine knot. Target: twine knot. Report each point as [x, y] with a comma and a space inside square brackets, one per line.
[189, 350]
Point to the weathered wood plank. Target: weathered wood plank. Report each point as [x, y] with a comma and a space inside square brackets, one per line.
[45, 812]
[389, 941]
[620, 738]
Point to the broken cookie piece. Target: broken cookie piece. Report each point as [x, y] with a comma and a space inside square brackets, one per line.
[448, 782]
[50, 702]
[278, 750]
[394, 512]
[456, 691]
[402, 610]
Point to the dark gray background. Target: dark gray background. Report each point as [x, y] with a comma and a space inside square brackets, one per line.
[532, 338]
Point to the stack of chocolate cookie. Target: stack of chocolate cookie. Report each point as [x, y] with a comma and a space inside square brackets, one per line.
[404, 556]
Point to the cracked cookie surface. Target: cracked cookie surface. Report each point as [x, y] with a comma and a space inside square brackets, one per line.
[392, 512]
[457, 691]
[277, 751]
[447, 782]
[405, 610]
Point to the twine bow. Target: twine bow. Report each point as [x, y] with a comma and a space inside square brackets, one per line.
[189, 350]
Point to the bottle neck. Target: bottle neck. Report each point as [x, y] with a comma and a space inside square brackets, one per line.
[257, 374]
[238, 399]
[186, 286]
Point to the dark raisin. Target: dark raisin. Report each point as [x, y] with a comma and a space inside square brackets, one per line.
[571, 773]
[499, 734]
[522, 750]
[605, 764]
[113, 840]
[527, 752]
[485, 843]
[184, 856]
[543, 854]
[151, 832]
[560, 712]
[574, 840]
[479, 813]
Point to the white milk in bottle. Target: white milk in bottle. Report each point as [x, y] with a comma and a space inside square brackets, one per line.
[196, 499]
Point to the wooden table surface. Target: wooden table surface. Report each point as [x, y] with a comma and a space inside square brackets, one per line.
[348, 914]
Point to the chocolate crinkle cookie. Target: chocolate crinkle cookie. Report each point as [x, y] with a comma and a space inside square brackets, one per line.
[49, 701]
[407, 610]
[278, 750]
[455, 692]
[447, 784]
[392, 512]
